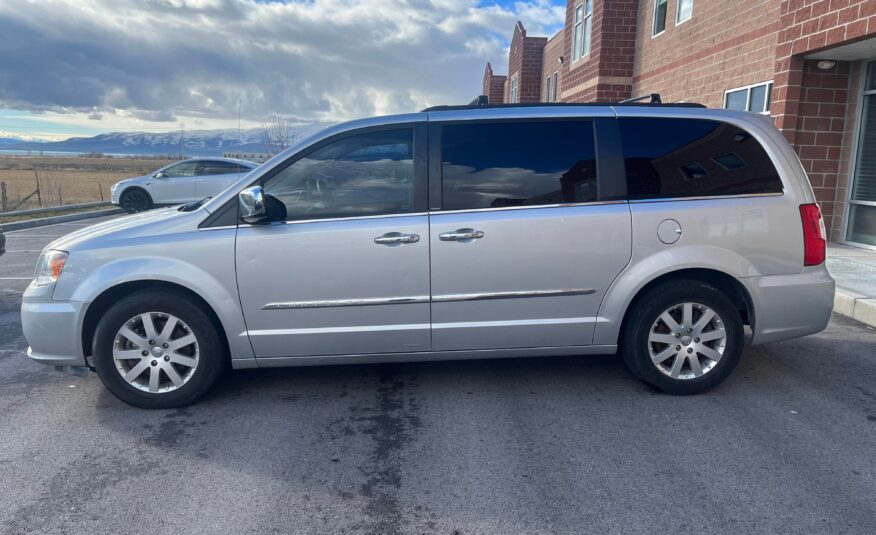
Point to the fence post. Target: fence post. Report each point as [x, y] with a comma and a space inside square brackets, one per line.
[60, 199]
[3, 194]
[100, 188]
[39, 196]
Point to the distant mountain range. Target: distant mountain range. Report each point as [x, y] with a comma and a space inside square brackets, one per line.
[195, 142]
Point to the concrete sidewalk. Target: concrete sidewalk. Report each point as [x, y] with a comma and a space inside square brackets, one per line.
[855, 272]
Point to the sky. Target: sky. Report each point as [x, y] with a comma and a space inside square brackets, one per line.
[82, 67]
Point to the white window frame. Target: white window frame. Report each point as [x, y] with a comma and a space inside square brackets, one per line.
[678, 12]
[654, 32]
[513, 91]
[748, 88]
[555, 80]
[550, 87]
[582, 31]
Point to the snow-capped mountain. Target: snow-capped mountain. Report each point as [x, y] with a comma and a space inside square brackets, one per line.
[195, 142]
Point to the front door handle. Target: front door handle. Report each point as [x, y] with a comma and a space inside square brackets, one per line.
[463, 234]
[393, 238]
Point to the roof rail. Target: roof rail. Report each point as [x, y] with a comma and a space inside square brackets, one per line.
[654, 98]
[482, 102]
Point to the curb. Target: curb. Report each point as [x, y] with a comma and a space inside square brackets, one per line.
[856, 306]
[32, 223]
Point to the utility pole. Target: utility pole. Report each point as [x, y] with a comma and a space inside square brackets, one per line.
[239, 132]
[182, 129]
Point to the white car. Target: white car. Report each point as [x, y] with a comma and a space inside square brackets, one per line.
[178, 183]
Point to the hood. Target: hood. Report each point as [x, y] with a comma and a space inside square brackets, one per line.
[129, 226]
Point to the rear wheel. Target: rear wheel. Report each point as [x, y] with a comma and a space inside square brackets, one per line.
[135, 200]
[683, 337]
[157, 350]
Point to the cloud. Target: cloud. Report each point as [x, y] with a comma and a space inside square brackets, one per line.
[195, 60]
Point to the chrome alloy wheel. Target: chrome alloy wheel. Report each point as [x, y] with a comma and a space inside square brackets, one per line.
[156, 352]
[687, 341]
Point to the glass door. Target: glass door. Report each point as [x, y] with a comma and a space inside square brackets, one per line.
[862, 195]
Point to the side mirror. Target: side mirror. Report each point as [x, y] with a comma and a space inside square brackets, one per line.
[252, 205]
[159, 174]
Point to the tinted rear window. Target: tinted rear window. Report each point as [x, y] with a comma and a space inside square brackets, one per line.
[491, 165]
[693, 158]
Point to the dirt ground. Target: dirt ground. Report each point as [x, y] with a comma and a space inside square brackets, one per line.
[67, 179]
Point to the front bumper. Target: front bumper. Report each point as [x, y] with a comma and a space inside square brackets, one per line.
[790, 306]
[52, 328]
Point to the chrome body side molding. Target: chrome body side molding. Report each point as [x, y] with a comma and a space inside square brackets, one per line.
[425, 299]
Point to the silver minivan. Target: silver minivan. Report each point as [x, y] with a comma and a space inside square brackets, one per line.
[657, 232]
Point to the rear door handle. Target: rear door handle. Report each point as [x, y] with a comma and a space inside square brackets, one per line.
[392, 238]
[462, 234]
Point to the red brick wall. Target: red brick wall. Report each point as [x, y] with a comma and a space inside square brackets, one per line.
[724, 45]
[606, 73]
[553, 51]
[808, 101]
[525, 62]
[493, 86]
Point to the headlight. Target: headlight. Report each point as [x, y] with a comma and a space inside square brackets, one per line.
[49, 267]
[113, 187]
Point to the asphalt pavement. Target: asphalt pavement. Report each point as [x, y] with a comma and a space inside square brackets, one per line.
[539, 445]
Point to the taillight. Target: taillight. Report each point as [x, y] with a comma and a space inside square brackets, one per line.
[814, 235]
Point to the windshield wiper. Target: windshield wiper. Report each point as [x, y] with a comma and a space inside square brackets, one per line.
[192, 206]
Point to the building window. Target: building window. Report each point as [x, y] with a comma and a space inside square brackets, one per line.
[583, 29]
[514, 93]
[755, 98]
[550, 88]
[660, 7]
[683, 11]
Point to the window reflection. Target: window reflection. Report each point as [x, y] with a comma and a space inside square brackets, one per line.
[360, 175]
[518, 164]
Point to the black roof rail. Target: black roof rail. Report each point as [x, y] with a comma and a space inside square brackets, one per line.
[653, 98]
[482, 102]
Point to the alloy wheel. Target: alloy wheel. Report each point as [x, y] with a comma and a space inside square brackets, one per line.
[687, 341]
[156, 352]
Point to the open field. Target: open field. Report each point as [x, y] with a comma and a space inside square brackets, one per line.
[80, 178]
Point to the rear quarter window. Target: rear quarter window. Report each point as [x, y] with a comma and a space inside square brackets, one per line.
[670, 158]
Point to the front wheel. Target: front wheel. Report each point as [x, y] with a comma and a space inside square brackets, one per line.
[135, 200]
[683, 337]
[157, 350]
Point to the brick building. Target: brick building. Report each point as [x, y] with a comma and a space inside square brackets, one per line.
[810, 64]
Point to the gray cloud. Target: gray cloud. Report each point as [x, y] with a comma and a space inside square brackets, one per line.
[321, 59]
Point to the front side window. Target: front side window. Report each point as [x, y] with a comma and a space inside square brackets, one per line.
[583, 29]
[670, 158]
[755, 98]
[494, 165]
[660, 7]
[181, 170]
[359, 175]
[683, 11]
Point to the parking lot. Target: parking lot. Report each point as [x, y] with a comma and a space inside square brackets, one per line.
[554, 445]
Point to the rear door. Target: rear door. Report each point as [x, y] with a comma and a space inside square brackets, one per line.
[527, 231]
[216, 175]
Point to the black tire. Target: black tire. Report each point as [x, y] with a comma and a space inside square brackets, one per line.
[135, 200]
[648, 308]
[212, 358]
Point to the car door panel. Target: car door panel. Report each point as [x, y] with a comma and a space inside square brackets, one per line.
[331, 290]
[535, 279]
[176, 184]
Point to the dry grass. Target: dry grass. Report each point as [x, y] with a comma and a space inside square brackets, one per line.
[77, 176]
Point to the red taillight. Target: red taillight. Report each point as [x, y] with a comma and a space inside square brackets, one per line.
[814, 235]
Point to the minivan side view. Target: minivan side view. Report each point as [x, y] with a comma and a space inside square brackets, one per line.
[657, 232]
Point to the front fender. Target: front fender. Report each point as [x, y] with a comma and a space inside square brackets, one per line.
[85, 278]
[642, 271]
